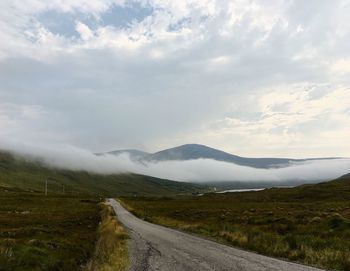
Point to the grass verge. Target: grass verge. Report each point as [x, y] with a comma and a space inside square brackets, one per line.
[111, 250]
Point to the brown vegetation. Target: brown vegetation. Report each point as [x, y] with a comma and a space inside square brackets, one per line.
[111, 250]
[308, 224]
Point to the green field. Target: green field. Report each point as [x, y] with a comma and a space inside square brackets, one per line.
[308, 224]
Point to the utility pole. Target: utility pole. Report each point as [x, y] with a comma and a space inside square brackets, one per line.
[46, 187]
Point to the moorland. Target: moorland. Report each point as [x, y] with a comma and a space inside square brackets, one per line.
[69, 228]
[308, 224]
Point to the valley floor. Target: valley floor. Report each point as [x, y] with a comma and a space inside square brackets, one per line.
[154, 248]
[283, 223]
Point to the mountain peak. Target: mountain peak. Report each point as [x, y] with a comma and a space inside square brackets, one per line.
[198, 151]
[191, 152]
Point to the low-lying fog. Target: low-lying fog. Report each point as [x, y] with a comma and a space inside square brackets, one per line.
[202, 170]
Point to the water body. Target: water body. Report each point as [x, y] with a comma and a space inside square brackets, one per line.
[240, 190]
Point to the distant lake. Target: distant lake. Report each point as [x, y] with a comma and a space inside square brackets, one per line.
[240, 190]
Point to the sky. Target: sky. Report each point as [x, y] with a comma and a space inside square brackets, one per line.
[254, 78]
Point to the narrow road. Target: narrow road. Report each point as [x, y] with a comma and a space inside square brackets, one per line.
[154, 247]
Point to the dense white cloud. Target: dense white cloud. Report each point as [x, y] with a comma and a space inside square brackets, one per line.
[200, 170]
[250, 77]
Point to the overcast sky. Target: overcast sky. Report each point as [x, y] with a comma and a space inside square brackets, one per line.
[254, 78]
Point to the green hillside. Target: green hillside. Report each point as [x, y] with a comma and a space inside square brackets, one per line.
[29, 175]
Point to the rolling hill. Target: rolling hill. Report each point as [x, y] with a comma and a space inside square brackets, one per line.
[19, 173]
[345, 177]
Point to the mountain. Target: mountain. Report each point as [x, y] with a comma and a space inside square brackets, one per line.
[197, 151]
[19, 173]
[345, 177]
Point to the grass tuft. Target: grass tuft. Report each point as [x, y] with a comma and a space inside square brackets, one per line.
[111, 250]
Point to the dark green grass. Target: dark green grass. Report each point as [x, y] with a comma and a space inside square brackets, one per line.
[30, 175]
[308, 224]
[46, 233]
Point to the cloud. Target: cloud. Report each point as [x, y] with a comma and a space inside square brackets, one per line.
[250, 78]
[306, 119]
[84, 31]
[200, 170]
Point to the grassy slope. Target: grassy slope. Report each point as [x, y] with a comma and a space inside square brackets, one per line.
[16, 172]
[310, 223]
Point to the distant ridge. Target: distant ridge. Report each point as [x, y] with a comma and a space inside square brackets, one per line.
[197, 151]
[346, 176]
[135, 154]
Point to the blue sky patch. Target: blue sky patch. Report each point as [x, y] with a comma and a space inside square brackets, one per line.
[64, 23]
[123, 16]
